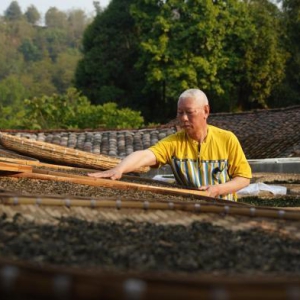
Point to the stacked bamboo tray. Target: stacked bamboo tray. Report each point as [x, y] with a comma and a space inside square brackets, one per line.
[60, 154]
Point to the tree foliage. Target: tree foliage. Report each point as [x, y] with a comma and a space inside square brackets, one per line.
[13, 12]
[106, 71]
[32, 15]
[230, 49]
[143, 53]
[256, 58]
[288, 91]
[72, 110]
[36, 60]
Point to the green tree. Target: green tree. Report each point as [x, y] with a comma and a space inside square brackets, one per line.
[288, 92]
[32, 15]
[54, 42]
[231, 50]
[11, 91]
[77, 23]
[39, 77]
[97, 7]
[106, 73]
[180, 47]
[11, 96]
[267, 56]
[13, 12]
[64, 70]
[36, 61]
[29, 50]
[256, 58]
[11, 60]
[55, 18]
[144, 53]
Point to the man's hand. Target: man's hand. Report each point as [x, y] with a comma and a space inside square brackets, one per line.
[113, 174]
[212, 190]
[231, 186]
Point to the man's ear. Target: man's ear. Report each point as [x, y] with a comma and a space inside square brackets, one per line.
[206, 110]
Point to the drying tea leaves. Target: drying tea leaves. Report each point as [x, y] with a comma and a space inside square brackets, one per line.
[143, 246]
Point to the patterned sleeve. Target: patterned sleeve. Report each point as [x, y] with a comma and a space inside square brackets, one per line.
[163, 150]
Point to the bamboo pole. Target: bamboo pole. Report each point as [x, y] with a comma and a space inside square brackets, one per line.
[120, 203]
[11, 167]
[37, 163]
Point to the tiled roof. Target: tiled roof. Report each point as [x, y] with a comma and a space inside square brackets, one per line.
[268, 133]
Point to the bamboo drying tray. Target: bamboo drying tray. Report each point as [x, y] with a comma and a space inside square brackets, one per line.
[86, 180]
[60, 154]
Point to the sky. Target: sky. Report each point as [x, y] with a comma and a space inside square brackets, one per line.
[64, 5]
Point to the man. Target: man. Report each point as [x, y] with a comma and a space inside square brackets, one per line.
[202, 156]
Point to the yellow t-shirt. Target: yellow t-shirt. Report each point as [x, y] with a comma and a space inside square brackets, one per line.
[217, 160]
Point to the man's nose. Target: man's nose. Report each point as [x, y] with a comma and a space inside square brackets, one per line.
[184, 116]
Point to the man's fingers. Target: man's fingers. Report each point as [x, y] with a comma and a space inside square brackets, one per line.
[100, 174]
[111, 175]
[203, 188]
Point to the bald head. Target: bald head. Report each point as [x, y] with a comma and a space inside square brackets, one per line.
[197, 95]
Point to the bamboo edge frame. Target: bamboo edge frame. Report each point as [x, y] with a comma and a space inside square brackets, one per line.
[145, 205]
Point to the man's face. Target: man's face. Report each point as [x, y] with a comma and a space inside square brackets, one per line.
[191, 114]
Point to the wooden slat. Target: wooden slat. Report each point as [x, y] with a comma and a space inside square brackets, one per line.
[11, 167]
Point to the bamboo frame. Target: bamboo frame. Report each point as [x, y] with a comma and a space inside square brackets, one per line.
[124, 203]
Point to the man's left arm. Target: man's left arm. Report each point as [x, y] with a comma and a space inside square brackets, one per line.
[229, 187]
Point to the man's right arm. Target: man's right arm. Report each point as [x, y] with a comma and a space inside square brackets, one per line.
[137, 159]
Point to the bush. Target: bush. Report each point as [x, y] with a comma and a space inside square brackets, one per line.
[72, 110]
